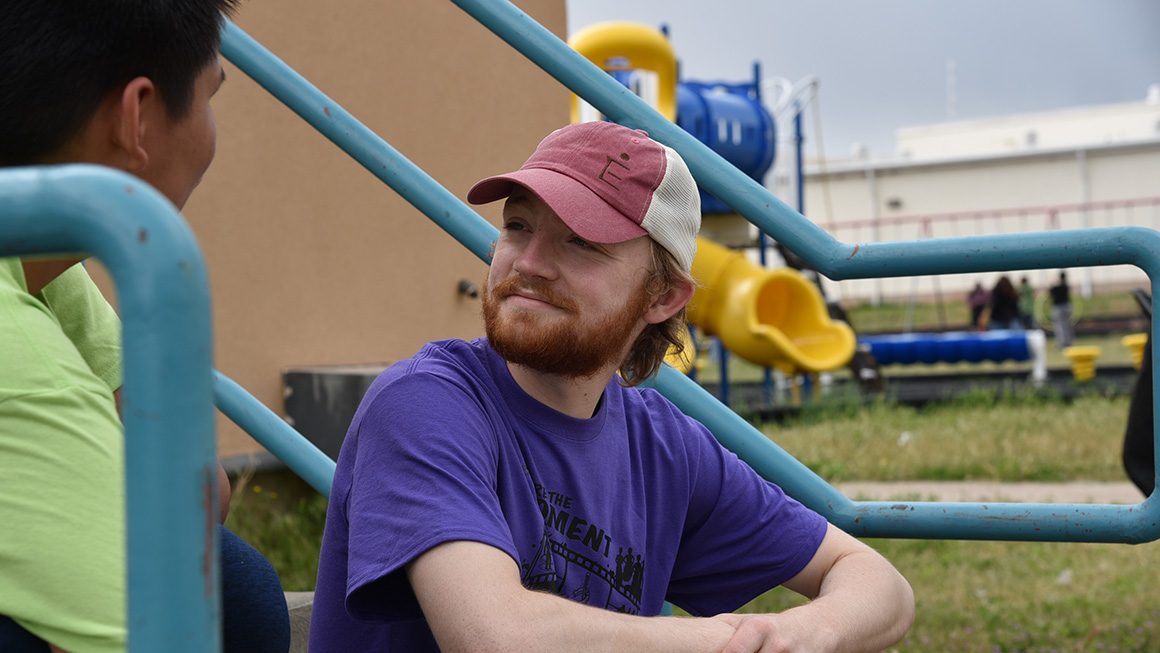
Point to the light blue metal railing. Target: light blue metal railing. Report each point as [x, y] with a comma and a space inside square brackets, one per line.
[1141, 247]
[170, 463]
[273, 433]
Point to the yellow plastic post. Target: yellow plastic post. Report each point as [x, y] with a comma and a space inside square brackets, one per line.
[630, 46]
[1083, 361]
[1135, 344]
[770, 317]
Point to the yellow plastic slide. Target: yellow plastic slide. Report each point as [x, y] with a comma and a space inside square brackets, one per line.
[771, 317]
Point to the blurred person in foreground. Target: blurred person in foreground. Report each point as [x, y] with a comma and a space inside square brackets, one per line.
[127, 85]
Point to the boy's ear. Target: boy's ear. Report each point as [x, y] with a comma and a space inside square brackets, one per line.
[135, 113]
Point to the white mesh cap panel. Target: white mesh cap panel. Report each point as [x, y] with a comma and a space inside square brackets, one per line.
[674, 215]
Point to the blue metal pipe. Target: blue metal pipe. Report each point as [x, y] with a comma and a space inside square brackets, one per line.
[1032, 522]
[1024, 251]
[167, 409]
[362, 144]
[799, 162]
[272, 432]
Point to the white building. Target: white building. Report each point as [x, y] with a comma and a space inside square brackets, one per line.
[1083, 167]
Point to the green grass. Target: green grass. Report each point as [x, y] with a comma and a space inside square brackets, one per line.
[979, 437]
[281, 516]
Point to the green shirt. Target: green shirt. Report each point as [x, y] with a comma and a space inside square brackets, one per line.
[62, 497]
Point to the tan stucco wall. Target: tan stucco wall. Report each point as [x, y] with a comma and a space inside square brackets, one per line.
[312, 260]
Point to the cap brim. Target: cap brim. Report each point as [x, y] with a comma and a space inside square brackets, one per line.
[585, 213]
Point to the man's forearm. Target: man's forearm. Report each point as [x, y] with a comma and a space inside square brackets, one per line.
[869, 605]
[554, 623]
[493, 612]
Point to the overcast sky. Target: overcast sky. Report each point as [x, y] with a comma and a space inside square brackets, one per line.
[883, 63]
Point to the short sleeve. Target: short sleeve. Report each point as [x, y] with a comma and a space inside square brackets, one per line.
[743, 535]
[88, 320]
[422, 472]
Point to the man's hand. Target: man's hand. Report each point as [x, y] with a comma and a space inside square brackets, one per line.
[766, 633]
[859, 602]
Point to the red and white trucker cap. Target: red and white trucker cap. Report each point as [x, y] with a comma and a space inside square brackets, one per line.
[609, 184]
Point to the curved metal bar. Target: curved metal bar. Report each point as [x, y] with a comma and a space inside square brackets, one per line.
[167, 407]
[1025, 251]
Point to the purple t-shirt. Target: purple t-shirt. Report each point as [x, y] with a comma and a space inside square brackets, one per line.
[635, 506]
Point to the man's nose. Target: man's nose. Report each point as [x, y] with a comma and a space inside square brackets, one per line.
[538, 258]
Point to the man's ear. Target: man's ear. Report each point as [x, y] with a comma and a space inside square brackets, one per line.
[665, 306]
[136, 111]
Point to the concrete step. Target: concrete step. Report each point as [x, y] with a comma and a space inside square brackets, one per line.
[300, 605]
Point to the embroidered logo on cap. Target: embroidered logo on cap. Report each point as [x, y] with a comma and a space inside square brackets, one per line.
[605, 171]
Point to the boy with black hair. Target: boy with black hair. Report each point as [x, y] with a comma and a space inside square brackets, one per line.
[125, 84]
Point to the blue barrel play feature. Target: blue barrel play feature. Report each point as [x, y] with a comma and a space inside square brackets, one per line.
[952, 347]
[730, 119]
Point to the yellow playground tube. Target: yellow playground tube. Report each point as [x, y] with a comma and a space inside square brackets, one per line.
[617, 46]
[771, 317]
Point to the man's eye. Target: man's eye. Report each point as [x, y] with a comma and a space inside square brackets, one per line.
[515, 226]
[576, 240]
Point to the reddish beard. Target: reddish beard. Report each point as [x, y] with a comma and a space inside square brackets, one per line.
[562, 345]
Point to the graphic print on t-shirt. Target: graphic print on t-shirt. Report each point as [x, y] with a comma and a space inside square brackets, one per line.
[577, 559]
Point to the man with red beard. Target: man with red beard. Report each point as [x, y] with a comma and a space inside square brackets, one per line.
[477, 471]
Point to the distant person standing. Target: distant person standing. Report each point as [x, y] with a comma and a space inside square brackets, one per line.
[978, 299]
[1005, 306]
[1061, 312]
[1026, 303]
